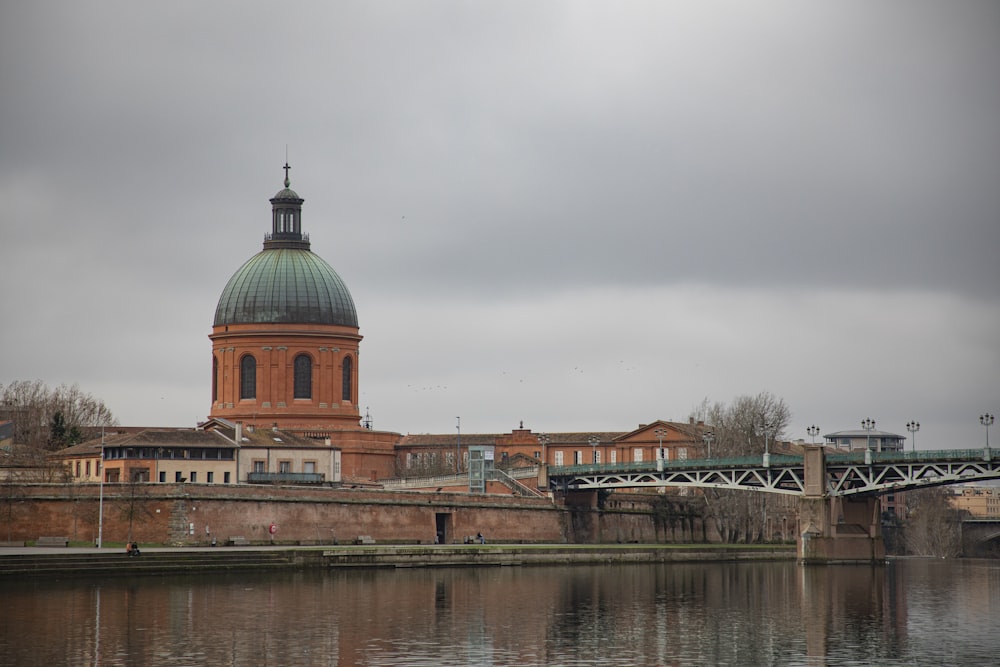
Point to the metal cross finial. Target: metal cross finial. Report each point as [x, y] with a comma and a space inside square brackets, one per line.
[286, 168]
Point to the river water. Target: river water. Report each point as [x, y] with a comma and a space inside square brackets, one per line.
[910, 612]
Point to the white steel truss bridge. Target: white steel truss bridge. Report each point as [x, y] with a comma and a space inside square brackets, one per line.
[854, 474]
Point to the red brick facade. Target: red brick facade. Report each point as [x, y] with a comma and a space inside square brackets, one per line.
[193, 514]
[434, 453]
[274, 348]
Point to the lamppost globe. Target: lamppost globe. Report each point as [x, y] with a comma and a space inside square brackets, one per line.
[708, 437]
[765, 429]
[868, 425]
[594, 442]
[986, 420]
[913, 427]
[458, 446]
[544, 439]
[660, 432]
[813, 431]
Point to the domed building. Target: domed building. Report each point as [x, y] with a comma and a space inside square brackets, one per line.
[285, 345]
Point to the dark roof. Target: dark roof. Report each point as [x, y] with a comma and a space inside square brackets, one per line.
[220, 435]
[860, 433]
[280, 439]
[451, 439]
[288, 193]
[693, 431]
[286, 286]
[148, 438]
[89, 448]
[263, 437]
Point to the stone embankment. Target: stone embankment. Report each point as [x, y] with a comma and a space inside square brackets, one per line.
[72, 563]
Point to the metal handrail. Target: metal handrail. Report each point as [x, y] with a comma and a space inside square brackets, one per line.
[778, 460]
[426, 481]
[286, 478]
[514, 485]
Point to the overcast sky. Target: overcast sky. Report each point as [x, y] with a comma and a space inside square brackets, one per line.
[582, 215]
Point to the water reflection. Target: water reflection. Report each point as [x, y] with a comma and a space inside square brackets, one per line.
[912, 613]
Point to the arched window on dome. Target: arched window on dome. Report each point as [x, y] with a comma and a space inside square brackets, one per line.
[347, 381]
[303, 376]
[215, 378]
[248, 377]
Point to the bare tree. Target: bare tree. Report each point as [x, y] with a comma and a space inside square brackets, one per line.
[132, 502]
[427, 464]
[743, 428]
[933, 527]
[35, 409]
[8, 495]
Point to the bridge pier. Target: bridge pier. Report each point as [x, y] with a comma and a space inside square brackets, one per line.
[836, 529]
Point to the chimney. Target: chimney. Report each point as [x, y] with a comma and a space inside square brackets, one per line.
[239, 432]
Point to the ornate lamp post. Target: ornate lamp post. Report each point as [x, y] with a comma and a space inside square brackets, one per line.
[660, 432]
[594, 442]
[868, 425]
[913, 427]
[987, 421]
[544, 440]
[708, 437]
[100, 511]
[765, 430]
[813, 431]
[458, 446]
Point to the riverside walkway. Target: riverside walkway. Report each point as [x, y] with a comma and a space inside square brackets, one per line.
[72, 562]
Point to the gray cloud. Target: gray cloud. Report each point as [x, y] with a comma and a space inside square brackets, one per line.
[778, 180]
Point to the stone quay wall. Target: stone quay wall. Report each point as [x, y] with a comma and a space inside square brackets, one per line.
[197, 514]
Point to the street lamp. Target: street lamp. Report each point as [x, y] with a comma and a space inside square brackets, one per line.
[594, 442]
[813, 431]
[868, 424]
[765, 430]
[544, 440]
[660, 432]
[987, 421]
[100, 511]
[458, 446]
[708, 437]
[913, 427]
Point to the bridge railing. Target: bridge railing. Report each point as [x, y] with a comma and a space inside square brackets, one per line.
[776, 460]
[286, 478]
[923, 456]
[685, 464]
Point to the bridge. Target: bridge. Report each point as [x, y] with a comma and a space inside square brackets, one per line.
[981, 537]
[846, 474]
[839, 512]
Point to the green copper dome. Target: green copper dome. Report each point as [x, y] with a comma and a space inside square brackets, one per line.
[286, 285]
